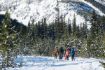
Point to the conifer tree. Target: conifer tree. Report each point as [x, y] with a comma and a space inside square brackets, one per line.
[94, 37]
[94, 25]
[74, 27]
[7, 40]
[69, 29]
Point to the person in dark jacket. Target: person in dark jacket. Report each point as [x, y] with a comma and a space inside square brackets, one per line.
[72, 53]
[61, 52]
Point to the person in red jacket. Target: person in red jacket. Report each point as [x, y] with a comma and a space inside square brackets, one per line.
[67, 53]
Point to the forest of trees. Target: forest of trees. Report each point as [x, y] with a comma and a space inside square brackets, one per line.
[41, 38]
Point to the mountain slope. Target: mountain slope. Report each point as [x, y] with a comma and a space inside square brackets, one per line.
[27, 10]
[101, 2]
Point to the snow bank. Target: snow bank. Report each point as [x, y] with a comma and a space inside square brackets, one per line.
[2, 12]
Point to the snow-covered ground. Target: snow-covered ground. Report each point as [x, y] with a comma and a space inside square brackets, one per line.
[49, 63]
[26, 10]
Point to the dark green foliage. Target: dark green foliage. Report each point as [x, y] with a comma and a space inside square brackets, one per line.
[74, 30]
[69, 29]
[95, 37]
[7, 41]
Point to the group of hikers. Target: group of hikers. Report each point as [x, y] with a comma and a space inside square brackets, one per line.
[66, 53]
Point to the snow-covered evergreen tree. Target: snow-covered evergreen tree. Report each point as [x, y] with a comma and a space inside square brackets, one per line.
[8, 41]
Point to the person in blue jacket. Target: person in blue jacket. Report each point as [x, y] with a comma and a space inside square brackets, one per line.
[72, 53]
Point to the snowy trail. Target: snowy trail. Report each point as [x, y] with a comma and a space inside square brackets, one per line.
[49, 63]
